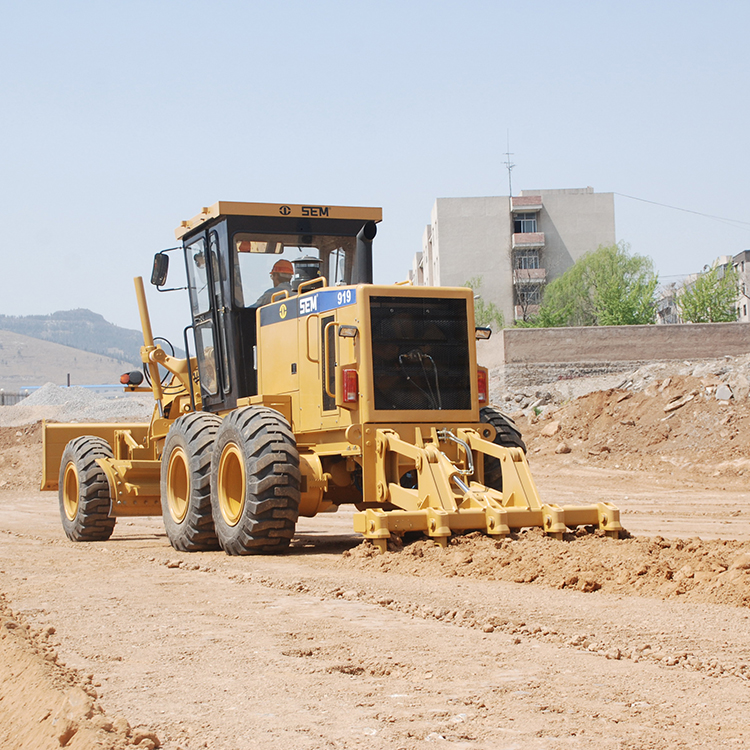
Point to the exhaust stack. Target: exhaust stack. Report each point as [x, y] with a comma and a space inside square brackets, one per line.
[362, 273]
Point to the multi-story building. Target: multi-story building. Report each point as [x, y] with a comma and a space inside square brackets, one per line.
[741, 263]
[667, 307]
[512, 245]
[668, 298]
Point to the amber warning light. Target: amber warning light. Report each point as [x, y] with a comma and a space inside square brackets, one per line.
[132, 378]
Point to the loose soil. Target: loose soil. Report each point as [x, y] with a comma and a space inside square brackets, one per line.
[676, 424]
[529, 642]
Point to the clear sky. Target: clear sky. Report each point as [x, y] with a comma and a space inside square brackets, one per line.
[120, 119]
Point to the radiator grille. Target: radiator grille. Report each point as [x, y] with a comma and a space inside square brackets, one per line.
[420, 353]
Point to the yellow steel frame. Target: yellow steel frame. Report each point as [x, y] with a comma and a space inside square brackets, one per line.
[443, 502]
[56, 436]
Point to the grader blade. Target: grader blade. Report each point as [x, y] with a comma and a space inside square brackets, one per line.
[445, 500]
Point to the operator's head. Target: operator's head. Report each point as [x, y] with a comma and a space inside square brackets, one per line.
[281, 272]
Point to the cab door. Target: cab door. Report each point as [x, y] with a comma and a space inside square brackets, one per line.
[207, 305]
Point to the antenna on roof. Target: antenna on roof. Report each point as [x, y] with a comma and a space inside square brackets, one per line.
[509, 166]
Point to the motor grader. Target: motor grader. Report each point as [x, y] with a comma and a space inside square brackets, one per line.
[338, 391]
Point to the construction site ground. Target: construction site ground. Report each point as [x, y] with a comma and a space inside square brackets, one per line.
[527, 642]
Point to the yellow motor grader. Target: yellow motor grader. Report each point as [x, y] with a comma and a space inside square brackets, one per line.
[321, 391]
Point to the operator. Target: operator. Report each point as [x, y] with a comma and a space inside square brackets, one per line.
[281, 275]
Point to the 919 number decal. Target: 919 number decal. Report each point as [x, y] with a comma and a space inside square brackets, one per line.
[344, 297]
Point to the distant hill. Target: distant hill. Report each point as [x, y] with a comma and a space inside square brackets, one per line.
[26, 361]
[80, 329]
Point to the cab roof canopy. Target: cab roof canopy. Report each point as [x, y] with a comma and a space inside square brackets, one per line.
[292, 217]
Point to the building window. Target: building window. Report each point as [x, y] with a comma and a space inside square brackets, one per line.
[527, 258]
[530, 295]
[524, 223]
[744, 311]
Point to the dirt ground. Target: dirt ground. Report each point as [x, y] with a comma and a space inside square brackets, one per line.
[530, 642]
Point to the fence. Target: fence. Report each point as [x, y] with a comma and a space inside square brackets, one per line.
[8, 399]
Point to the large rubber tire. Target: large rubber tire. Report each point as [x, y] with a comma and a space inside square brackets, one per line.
[507, 435]
[186, 482]
[84, 491]
[256, 482]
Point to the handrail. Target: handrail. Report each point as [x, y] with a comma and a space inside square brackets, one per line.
[333, 369]
[319, 280]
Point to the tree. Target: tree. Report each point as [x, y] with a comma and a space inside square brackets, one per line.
[711, 298]
[485, 313]
[606, 287]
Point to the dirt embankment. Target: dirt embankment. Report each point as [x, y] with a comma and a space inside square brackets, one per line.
[44, 705]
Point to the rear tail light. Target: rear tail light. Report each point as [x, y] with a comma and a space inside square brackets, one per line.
[351, 386]
[482, 386]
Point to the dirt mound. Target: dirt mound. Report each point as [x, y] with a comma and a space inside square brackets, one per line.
[44, 704]
[674, 424]
[21, 457]
[715, 572]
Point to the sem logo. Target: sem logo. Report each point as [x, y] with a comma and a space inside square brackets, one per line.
[315, 210]
[282, 312]
[308, 305]
[285, 210]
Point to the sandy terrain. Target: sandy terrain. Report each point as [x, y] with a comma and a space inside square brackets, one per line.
[642, 642]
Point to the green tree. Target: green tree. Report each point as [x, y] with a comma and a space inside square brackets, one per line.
[711, 298]
[485, 313]
[606, 287]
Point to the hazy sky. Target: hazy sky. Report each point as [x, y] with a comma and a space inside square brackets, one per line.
[120, 119]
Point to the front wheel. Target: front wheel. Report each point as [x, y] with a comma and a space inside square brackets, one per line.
[255, 480]
[84, 491]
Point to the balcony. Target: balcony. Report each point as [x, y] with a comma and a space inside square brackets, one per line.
[530, 276]
[528, 240]
[523, 203]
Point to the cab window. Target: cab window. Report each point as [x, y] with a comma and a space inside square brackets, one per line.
[254, 257]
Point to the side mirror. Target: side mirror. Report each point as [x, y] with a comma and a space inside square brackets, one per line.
[160, 270]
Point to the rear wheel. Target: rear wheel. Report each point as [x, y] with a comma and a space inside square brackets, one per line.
[255, 481]
[186, 482]
[84, 491]
[507, 435]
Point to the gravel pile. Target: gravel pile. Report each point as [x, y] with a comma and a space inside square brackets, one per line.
[57, 404]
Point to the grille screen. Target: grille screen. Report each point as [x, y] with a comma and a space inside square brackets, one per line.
[420, 353]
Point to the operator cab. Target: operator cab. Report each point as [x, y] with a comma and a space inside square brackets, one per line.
[239, 256]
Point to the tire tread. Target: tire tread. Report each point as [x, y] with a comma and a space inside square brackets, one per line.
[195, 433]
[92, 522]
[272, 488]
